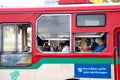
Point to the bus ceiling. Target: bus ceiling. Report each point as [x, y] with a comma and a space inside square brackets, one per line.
[74, 1]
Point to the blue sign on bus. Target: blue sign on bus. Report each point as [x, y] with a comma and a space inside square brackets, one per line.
[92, 70]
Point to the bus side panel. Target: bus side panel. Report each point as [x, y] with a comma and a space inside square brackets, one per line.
[118, 72]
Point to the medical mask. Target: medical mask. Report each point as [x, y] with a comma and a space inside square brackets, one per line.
[88, 43]
[96, 40]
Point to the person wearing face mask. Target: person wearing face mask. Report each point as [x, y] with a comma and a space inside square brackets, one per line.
[65, 47]
[93, 43]
[85, 44]
[88, 42]
[101, 45]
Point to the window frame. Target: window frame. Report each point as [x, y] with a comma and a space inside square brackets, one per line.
[14, 52]
[57, 39]
[91, 52]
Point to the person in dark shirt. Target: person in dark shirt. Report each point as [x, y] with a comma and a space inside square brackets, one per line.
[101, 45]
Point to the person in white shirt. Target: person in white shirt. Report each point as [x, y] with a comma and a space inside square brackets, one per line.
[65, 47]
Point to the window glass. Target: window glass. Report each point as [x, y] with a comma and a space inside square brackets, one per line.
[9, 40]
[54, 26]
[91, 20]
[15, 47]
[90, 42]
[52, 30]
[16, 59]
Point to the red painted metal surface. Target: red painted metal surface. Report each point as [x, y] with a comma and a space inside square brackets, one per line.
[74, 1]
[31, 14]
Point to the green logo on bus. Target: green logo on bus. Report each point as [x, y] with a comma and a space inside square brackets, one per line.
[14, 75]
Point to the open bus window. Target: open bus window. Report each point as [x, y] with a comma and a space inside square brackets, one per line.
[90, 42]
[15, 44]
[52, 31]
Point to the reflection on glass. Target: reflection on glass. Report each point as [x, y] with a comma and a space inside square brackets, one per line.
[16, 60]
[54, 25]
[9, 38]
[91, 20]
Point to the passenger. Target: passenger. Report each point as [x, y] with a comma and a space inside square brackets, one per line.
[57, 49]
[85, 44]
[93, 43]
[27, 49]
[65, 46]
[46, 47]
[88, 42]
[77, 49]
[51, 47]
[101, 45]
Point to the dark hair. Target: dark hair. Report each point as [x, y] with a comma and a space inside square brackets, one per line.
[67, 43]
[88, 40]
[46, 47]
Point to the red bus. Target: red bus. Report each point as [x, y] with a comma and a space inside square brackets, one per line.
[60, 43]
